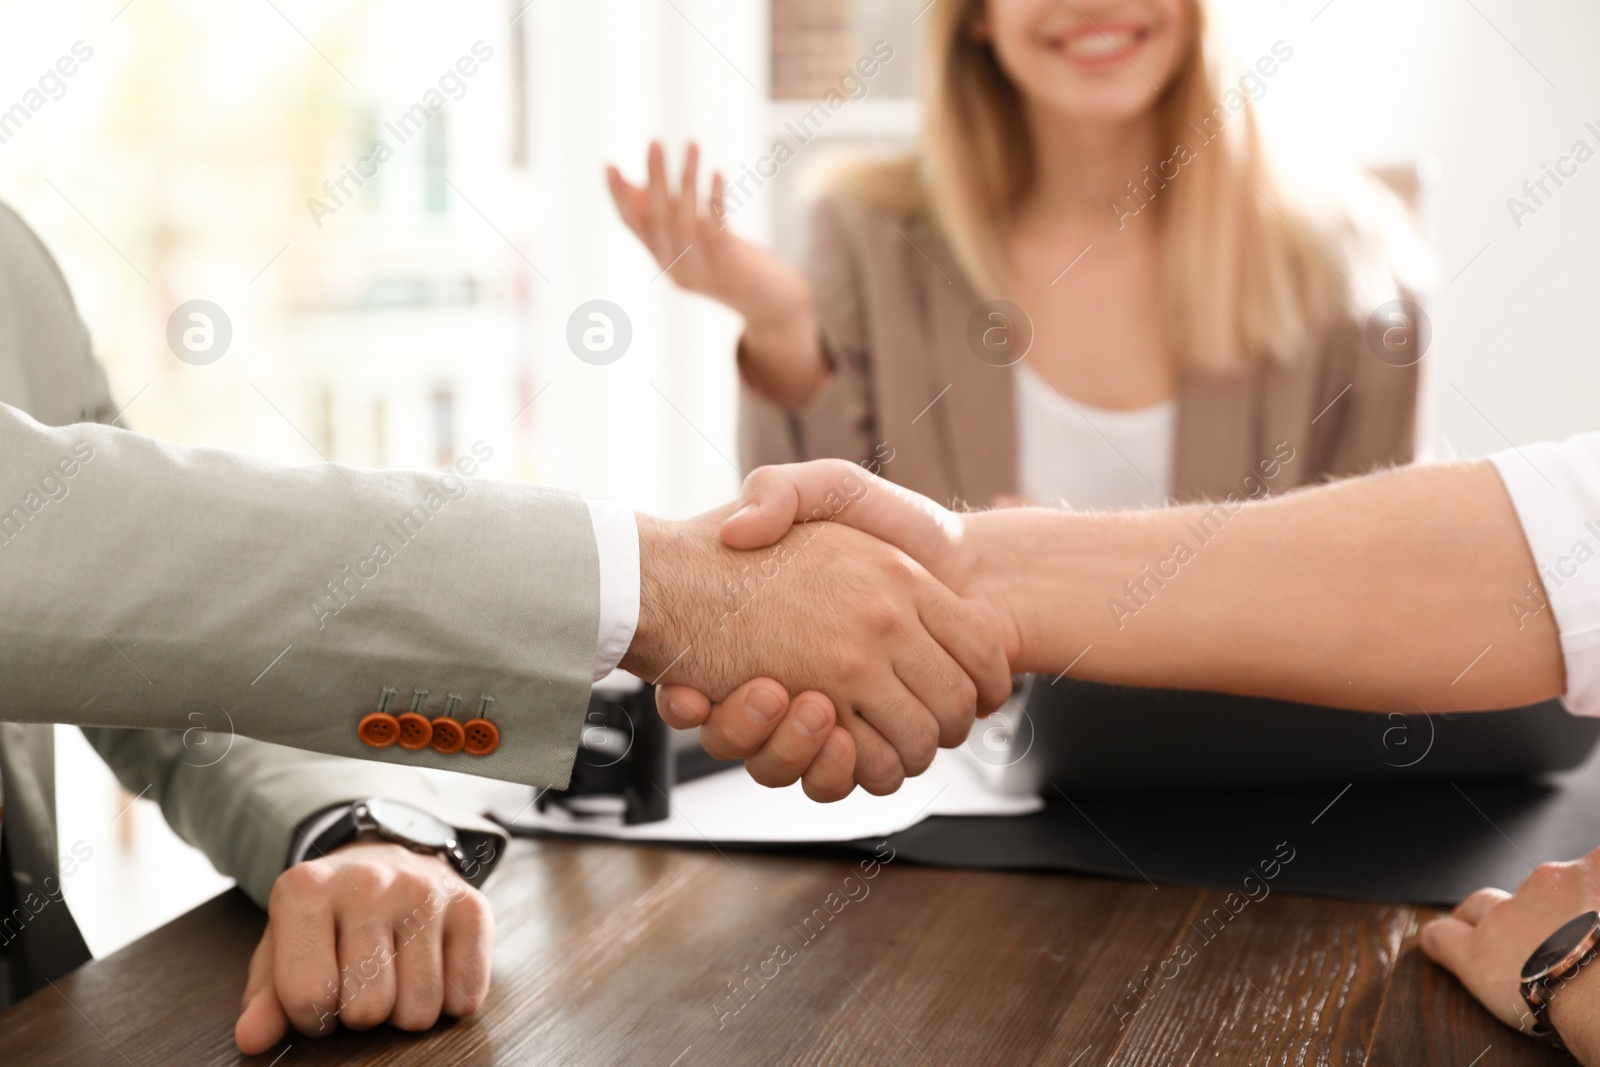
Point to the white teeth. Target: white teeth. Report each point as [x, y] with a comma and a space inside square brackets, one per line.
[1098, 45]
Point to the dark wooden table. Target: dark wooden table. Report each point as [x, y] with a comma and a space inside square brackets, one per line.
[615, 954]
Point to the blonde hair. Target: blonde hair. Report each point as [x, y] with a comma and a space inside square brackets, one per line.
[1257, 265]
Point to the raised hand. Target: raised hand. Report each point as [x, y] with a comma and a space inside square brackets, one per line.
[829, 609]
[695, 248]
[781, 352]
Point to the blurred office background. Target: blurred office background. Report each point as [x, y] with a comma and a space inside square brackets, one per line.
[429, 309]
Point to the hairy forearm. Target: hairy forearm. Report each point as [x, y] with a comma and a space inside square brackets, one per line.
[664, 629]
[1397, 588]
[701, 606]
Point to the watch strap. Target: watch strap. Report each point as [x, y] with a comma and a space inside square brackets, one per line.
[1536, 995]
[336, 834]
[1537, 992]
[323, 832]
[338, 826]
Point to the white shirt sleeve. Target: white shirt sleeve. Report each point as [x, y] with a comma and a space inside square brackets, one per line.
[1556, 491]
[616, 537]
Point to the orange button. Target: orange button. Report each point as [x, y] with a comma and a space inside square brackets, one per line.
[483, 737]
[379, 729]
[448, 735]
[415, 730]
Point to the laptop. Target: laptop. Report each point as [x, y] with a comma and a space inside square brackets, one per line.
[1087, 737]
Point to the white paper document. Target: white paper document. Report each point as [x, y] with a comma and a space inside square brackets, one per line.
[729, 806]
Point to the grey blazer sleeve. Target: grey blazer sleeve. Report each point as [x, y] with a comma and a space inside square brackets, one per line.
[149, 585]
[241, 804]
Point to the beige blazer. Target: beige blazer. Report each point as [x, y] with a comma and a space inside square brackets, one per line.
[894, 309]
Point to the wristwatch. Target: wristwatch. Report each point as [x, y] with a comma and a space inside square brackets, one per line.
[392, 820]
[1563, 954]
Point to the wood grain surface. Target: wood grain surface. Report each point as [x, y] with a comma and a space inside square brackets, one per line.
[617, 954]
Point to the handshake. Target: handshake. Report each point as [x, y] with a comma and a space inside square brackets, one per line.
[829, 627]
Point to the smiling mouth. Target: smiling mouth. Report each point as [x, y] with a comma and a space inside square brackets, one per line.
[1099, 46]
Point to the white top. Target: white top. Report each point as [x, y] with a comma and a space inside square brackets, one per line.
[1080, 457]
[1556, 491]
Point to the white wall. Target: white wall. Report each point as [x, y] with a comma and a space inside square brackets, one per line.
[608, 76]
[1514, 341]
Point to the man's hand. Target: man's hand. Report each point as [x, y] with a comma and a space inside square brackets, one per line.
[370, 933]
[774, 498]
[1047, 574]
[825, 609]
[967, 553]
[772, 501]
[1490, 935]
[781, 741]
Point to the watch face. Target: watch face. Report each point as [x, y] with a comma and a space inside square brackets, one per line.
[410, 824]
[1560, 947]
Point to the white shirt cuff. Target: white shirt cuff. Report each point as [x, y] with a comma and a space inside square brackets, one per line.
[1556, 491]
[616, 538]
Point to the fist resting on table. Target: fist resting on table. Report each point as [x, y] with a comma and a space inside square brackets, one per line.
[370, 933]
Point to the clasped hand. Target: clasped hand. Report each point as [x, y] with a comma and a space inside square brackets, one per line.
[867, 638]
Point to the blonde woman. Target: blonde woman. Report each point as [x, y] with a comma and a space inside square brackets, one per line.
[1179, 316]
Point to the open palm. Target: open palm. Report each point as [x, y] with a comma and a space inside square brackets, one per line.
[693, 246]
[780, 354]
